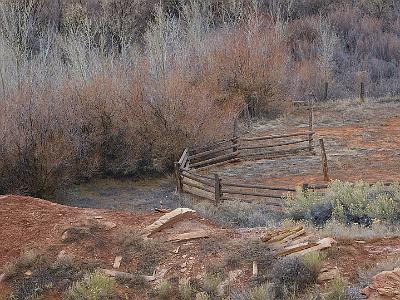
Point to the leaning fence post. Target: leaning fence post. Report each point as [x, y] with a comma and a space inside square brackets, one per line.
[179, 184]
[310, 125]
[324, 160]
[362, 91]
[218, 192]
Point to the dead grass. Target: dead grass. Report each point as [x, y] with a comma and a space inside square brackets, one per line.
[141, 255]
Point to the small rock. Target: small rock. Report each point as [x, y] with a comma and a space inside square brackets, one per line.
[28, 273]
[183, 270]
[98, 217]
[2, 277]
[176, 251]
[191, 258]
[184, 256]
[184, 265]
[385, 285]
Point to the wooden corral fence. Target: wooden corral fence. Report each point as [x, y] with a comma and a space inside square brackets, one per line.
[215, 188]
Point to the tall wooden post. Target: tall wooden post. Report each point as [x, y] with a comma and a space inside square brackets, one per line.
[324, 160]
[310, 124]
[326, 91]
[235, 128]
[305, 187]
[218, 192]
[179, 184]
[362, 91]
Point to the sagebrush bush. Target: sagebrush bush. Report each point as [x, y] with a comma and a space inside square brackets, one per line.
[346, 202]
[95, 286]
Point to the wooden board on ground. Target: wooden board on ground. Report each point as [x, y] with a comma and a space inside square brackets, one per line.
[189, 236]
[168, 220]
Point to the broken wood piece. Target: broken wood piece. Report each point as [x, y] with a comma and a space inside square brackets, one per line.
[168, 220]
[189, 236]
[124, 275]
[255, 269]
[296, 248]
[287, 237]
[162, 210]
[320, 245]
[278, 235]
[117, 262]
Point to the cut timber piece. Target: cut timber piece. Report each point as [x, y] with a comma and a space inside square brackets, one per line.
[124, 275]
[320, 245]
[286, 237]
[296, 248]
[189, 236]
[278, 235]
[168, 220]
[117, 262]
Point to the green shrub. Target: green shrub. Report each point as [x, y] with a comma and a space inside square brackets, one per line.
[202, 296]
[94, 286]
[185, 290]
[314, 261]
[337, 290]
[261, 292]
[211, 283]
[164, 290]
[346, 202]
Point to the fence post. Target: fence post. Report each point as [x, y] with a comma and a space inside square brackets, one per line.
[179, 184]
[235, 127]
[310, 124]
[326, 91]
[324, 160]
[362, 91]
[305, 187]
[218, 193]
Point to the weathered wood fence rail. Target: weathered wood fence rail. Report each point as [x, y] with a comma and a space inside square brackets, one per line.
[219, 189]
[188, 178]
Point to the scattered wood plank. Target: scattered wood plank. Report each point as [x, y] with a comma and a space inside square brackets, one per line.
[189, 236]
[124, 275]
[117, 262]
[321, 245]
[168, 220]
[278, 232]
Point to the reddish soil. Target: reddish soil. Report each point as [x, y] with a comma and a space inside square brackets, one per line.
[35, 223]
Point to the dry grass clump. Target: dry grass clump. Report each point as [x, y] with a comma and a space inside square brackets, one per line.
[142, 255]
[233, 213]
[45, 274]
[291, 276]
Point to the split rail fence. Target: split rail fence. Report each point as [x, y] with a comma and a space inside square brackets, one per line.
[217, 189]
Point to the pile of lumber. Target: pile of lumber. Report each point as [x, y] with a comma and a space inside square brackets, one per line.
[294, 241]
